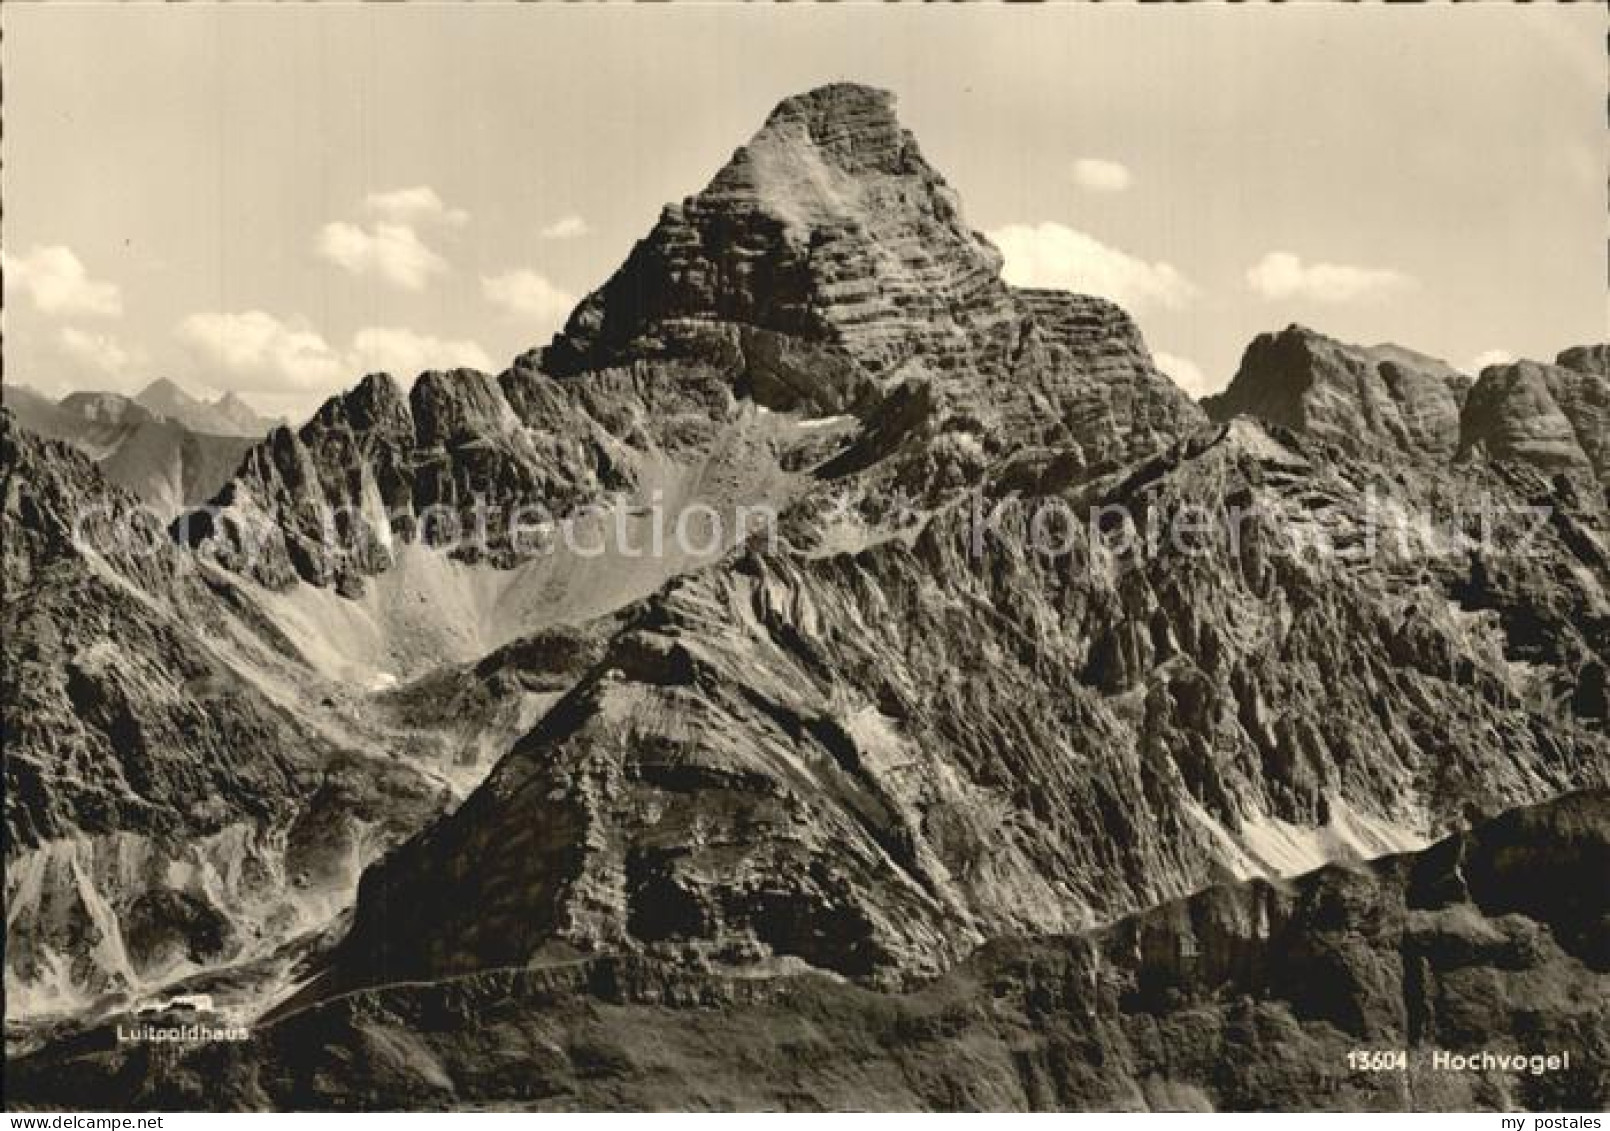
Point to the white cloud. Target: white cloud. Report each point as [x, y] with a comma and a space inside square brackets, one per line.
[1186, 374]
[57, 282]
[1490, 357]
[255, 352]
[1280, 275]
[413, 206]
[405, 354]
[566, 228]
[101, 353]
[392, 251]
[527, 294]
[1051, 255]
[1099, 175]
[389, 246]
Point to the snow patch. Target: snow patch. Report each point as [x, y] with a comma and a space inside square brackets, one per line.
[1269, 847]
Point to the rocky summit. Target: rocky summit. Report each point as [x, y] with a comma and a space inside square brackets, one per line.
[828, 225]
[1555, 417]
[1052, 741]
[1392, 401]
[1383, 398]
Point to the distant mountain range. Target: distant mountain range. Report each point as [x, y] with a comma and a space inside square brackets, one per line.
[170, 449]
[228, 415]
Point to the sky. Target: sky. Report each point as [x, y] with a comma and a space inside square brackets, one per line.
[275, 200]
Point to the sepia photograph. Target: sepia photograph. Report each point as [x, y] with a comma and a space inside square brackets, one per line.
[705, 557]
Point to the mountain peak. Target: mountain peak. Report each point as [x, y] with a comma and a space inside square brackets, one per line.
[1383, 397]
[228, 415]
[377, 403]
[1555, 417]
[106, 408]
[163, 392]
[810, 164]
[828, 226]
[834, 99]
[1593, 360]
[854, 126]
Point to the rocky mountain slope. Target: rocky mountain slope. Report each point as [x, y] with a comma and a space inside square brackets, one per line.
[870, 762]
[830, 229]
[1243, 996]
[1028, 645]
[170, 801]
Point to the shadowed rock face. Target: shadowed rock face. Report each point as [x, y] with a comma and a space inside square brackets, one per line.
[1247, 996]
[1594, 360]
[79, 647]
[1380, 399]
